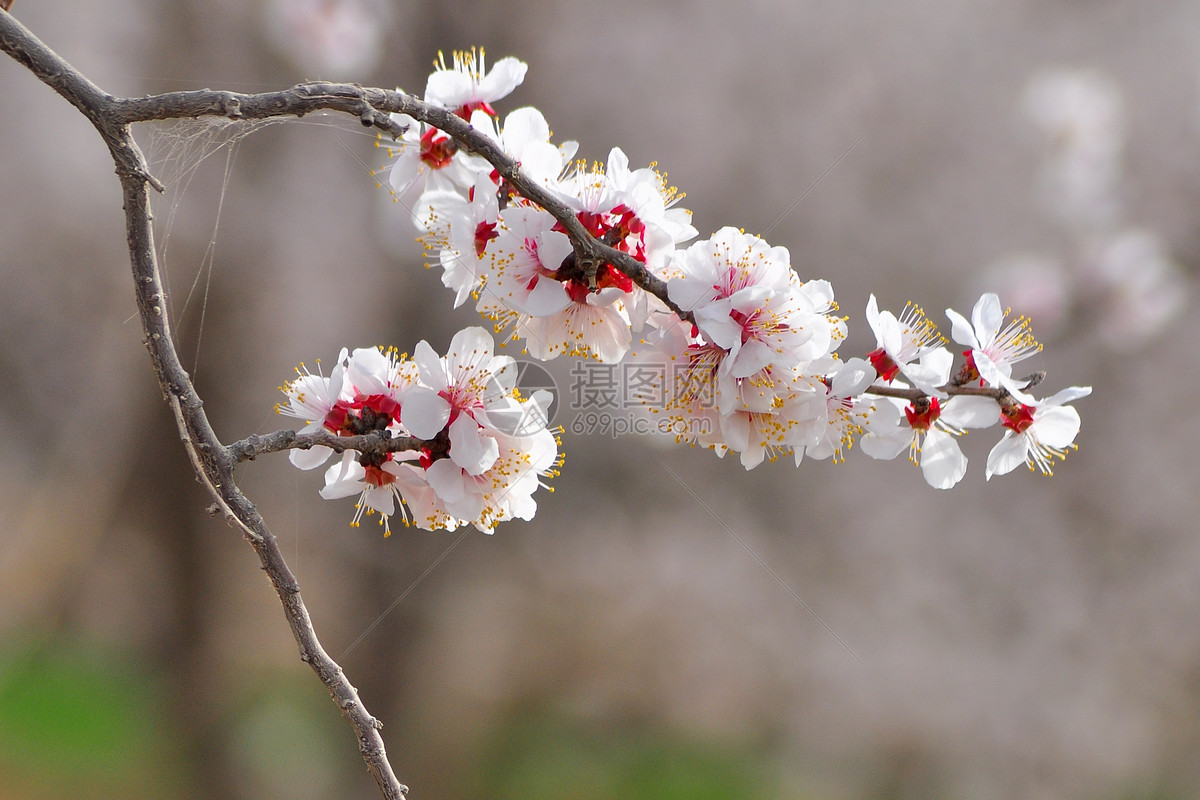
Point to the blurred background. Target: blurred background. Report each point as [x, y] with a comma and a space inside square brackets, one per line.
[670, 625]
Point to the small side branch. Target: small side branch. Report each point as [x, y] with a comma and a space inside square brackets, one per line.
[371, 444]
[997, 393]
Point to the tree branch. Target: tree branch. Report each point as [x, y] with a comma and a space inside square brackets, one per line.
[372, 107]
[370, 444]
[997, 393]
[212, 462]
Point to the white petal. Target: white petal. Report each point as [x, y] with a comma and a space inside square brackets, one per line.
[504, 76]
[1057, 426]
[987, 317]
[690, 294]
[449, 88]
[939, 361]
[343, 479]
[469, 346]
[969, 411]
[380, 498]
[753, 456]
[446, 479]
[961, 330]
[886, 444]
[524, 126]
[310, 459]
[548, 297]
[1007, 455]
[873, 316]
[424, 412]
[750, 358]
[469, 448]
[925, 378]
[942, 462]
[853, 378]
[429, 365]
[1070, 394]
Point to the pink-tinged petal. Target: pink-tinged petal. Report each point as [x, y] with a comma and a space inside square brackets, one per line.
[735, 429]
[520, 505]
[1056, 427]
[1008, 454]
[469, 448]
[961, 330]
[611, 343]
[967, 411]
[424, 412]
[750, 299]
[309, 459]
[942, 462]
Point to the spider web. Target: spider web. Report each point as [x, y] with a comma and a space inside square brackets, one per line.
[178, 151]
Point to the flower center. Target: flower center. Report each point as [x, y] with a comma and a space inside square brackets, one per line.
[884, 366]
[437, 152]
[923, 413]
[1017, 417]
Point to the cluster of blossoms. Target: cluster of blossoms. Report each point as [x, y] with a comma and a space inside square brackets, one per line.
[750, 347]
[472, 451]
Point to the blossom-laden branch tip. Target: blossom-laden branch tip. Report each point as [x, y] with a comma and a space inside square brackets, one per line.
[749, 348]
[484, 449]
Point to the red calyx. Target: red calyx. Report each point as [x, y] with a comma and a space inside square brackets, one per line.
[923, 420]
[884, 366]
[1016, 417]
[437, 152]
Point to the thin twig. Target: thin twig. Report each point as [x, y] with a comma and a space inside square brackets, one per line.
[254, 446]
[372, 107]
